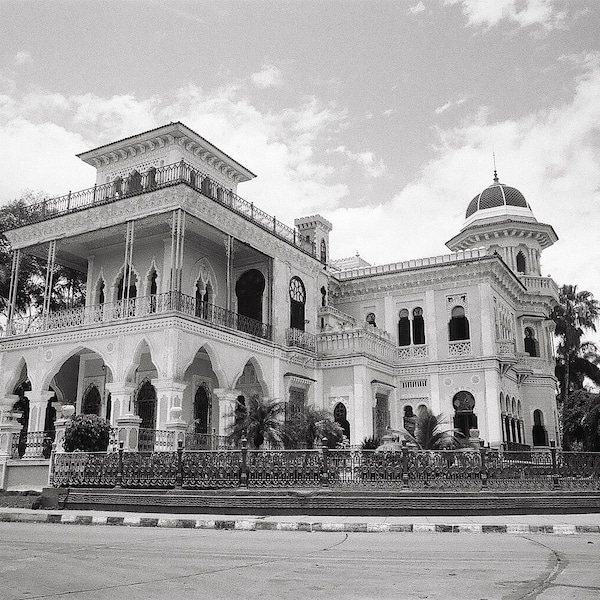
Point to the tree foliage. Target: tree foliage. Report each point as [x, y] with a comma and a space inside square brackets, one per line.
[576, 312]
[88, 433]
[68, 285]
[259, 421]
[581, 421]
[308, 429]
[432, 433]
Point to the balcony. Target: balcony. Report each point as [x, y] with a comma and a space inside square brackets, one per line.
[159, 178]
[301, 339]
[545, 286]
[462, 348]
[144, 306]
[361, 340]
[413, 352]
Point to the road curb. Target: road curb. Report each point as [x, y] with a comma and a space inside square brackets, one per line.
[262, 525]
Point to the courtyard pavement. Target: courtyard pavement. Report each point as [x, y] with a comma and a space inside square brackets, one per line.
[561, 524]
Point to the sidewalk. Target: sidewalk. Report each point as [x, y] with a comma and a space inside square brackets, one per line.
[568, 524]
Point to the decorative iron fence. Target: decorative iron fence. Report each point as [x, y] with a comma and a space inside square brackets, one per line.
[409, 469]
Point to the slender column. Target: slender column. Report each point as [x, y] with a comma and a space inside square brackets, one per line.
[128, 259]
[227, 399]
[228, 253]
[49, 277]
[121, 395]
[173, 250]
[177, 241]
[38, 402]
[89, 300]
[14, 279]
[169, 394]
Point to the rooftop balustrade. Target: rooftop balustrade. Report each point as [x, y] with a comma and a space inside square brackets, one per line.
[160, 178]
[143, 306]
[359, 340]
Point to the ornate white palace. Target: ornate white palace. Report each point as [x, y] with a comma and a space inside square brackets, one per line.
[196, 298]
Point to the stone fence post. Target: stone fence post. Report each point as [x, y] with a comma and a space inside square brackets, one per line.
[128, 427]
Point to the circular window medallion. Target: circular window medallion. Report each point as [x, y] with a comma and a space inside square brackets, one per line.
[448, 381]
[475, 379]
[110, 347]
[48, 355]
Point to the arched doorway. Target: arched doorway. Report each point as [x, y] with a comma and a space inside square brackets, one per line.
[539, 433]
[464, 418]
[340, 416]
[297, 304]
[202, 410]
[22, 406]
[145, 405]
[92, 401]
[249, 291]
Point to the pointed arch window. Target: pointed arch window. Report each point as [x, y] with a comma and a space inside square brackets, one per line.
[297, 303]
[539, 433]
[418, 326]
[530, 343]
[459, 324]
[100, 295]
[135, 182]
[403, 328]
[323, 252]
[152, 289]
[249, 291]
[521, 262]
[151, 178]
[92, 401]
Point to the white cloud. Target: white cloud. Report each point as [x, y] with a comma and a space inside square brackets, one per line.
[552, 156]
[419, 7]
[450, 104]
[373, 167]
[282, 147]
[388, 112]
[22, 58]
[522, 12]
[269, 76]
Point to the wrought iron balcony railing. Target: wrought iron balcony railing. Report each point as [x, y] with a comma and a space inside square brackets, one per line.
[159, 178]
[301, 339]
[140, 307]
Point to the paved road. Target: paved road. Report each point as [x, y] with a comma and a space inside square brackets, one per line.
[103, 562]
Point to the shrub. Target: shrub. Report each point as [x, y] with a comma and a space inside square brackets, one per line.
[370, 443]
[88, 433]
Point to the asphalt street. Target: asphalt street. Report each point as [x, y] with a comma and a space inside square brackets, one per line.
[103, 562]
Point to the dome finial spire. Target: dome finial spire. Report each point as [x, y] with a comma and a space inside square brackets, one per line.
[495, 172]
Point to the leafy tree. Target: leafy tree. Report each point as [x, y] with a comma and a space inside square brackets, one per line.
[310, 427]
[431, 433]
[581, 421]
[88, 433]
[259, 421]
[575, 312]
[68, 285]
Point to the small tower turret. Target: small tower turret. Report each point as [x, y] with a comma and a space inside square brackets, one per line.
[315, 229]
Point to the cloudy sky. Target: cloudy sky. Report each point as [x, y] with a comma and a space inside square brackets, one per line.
[382, 115]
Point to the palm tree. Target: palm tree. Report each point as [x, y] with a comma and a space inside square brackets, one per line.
[310, 427]
[259, 421]
[431, 433]
[575, 312]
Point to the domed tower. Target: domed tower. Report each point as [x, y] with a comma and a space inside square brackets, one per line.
[500, 220]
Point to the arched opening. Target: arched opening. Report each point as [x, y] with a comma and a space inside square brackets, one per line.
[151, 178]
[152, 290]
[249, 291]
[521, 262]
[459, 324]
[371, 319]
[127, 278]
[204, 299]
[464, 418]
[117, 187]
[531, 345]
[382, 415]
[100, 296]
[409, 421]
[135, 182]
[340, 416]
[145, 405]
[22, 406]
[418, 326]
[202, 410]
[297, 303]
[539, 433]
[323, 252]
[403, 328]
[92, 401]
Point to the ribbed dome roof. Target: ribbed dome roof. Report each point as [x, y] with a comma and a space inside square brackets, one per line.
[497, 194]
